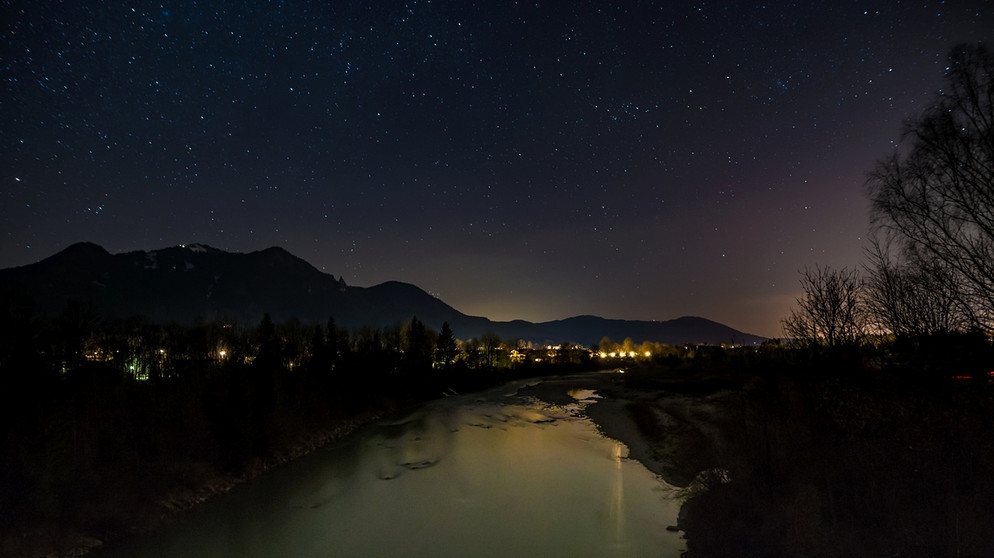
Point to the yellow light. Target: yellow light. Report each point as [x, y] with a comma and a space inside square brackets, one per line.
[648, 354]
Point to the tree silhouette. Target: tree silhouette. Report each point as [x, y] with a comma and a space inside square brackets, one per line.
[260, 397]
[445, 348]
[332, 343]
[270, 352]
[319, 349]
[417, 346]
[831, 311]
[911, 300]
[490, 348]
[935, 199]
[73, 327]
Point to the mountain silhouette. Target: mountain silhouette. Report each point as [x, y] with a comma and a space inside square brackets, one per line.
[192, 282]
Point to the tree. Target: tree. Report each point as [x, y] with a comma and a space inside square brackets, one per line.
[606, 345]
[911, 300]
[319, 349]
[259, 396]
[445, 348]
[332, 342]
[935, 198]
[73, 327]
[270, 350]
[417, 345]
[470, 353]
[490, 347]
[831, 311]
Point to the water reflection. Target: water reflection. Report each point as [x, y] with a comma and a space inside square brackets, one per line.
[490, 475]
[618, 490]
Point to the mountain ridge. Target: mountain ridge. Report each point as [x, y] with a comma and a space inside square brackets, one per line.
[194, 281]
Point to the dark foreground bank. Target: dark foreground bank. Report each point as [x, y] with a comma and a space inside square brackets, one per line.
[93, 456]
[821, 465]
[775, 458]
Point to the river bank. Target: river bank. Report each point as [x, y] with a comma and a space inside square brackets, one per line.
[776, 464]
[769, 465]
[487, 474]
[674, 435]
[204, 483]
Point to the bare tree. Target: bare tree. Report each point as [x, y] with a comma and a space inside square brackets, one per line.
[831, 311]
[490, 344]
[936, 200]
[911, 299]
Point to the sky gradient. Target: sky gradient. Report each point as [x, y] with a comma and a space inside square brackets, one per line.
[533, 160]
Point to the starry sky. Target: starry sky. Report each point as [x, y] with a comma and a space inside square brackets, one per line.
[533, 160]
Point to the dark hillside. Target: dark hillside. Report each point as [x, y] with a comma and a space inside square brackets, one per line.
[187, 283]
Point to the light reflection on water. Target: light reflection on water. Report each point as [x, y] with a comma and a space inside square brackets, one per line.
[479, 475]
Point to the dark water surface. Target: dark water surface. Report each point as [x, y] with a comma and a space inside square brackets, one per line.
[492, 474]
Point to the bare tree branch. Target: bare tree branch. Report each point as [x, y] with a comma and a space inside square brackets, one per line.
[936, 202]
[831, 312]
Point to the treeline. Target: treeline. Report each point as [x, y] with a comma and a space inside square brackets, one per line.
[929, 266]
[105, 425]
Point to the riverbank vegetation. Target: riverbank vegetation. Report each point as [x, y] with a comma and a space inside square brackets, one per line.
[832, 452]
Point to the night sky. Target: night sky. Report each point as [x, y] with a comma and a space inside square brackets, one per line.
[533, 160]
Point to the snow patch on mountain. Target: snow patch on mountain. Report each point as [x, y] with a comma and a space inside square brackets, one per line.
[196, 248]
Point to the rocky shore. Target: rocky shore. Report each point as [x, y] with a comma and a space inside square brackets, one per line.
[674, 435]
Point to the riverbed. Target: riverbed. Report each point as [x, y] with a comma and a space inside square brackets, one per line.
[498, 473]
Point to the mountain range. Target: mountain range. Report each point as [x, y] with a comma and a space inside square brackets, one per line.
[185, 283]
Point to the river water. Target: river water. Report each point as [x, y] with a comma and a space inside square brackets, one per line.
[489, 474]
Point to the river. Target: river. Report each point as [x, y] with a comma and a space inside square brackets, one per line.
[487, 474]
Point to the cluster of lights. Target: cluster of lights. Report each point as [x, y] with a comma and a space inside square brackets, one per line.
[622, 354]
